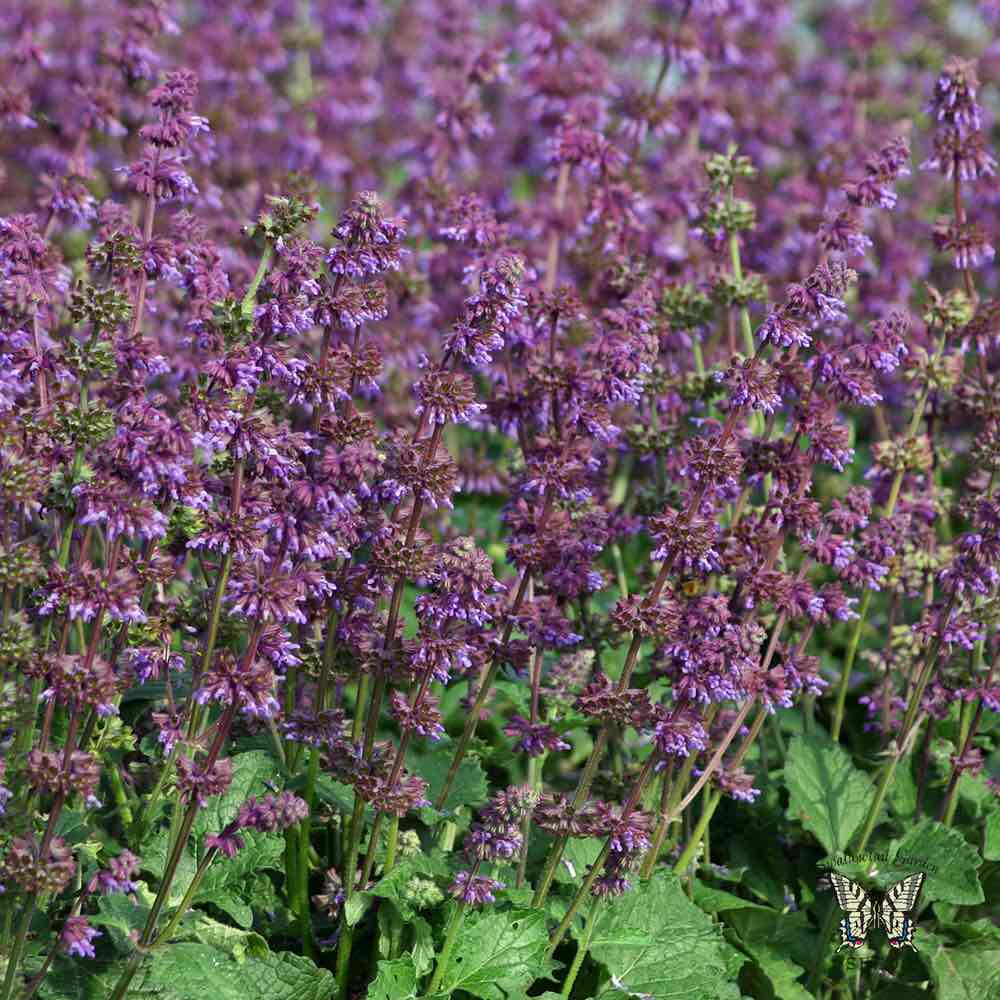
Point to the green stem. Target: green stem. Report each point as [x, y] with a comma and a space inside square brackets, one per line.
[358, 813]
[214, 617]
[670, 800]
[359, 709]
[305, 841]
[302, 898]
[633, 801]
[128, 973]
[745, 327]
[188, 899]
[666, 790]
[26, 730]
[699, 360]
[951, 800]
[450, 937]
[177, 850]
[14, 958]
[291, 868]
[712, 800]
[391, 845]
[472, 719]
[890, 507]
[826, 931]
[582, 791]
[154, 796]
[534, 782]
[622, 576]
[118, 791]
[169, 872]
[583, 946]
[595, 870]
[924, 677]
[344, 959]
[871, 820]
[250, 299]
[849, 657]
[965, 742]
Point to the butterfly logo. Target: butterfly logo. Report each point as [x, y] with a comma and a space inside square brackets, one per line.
[890, 910]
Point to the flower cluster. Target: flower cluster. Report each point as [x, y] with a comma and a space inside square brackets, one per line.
[483, 453]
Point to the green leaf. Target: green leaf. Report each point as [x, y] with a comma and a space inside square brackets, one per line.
[683, 954]
[976, 795]
[518, 898]
[195, 971]
[396, 885]
[396, 980]
[579, 855]
[903, 791]
[332, 793]
[469, 787]
[232, 906]
[967, 971]
[249, 773]
[498, 953]
[518, 694]
[781, 944]
[991, 849]
[260, 851]
[150, 691]
[283, 976]
[122, 918]
[422, 950]
[900, 991]
[74, 825]
[227, 883]
[828, 795]
[722, 991]
[951, 862]
[356, 906]
[240, 944]
[713, 900]
[72, 980]
[155, 852]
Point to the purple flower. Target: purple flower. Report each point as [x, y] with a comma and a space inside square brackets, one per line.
[534, 739]
[119, 876]
[370, 242]
[488, 314]
[961, 153]
[171, 726]
[678, 733]
[475, 890]
[783, 329]
[448, 397]
[77, 937]
[954, 99]
[736, 783]
[248, 686]
[752, 383]
[627, 833]
[228, 842]
[200, 783]
[422, 717]
[966, 241]
[160, 177]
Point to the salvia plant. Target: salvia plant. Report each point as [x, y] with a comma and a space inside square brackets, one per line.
[498, 499]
